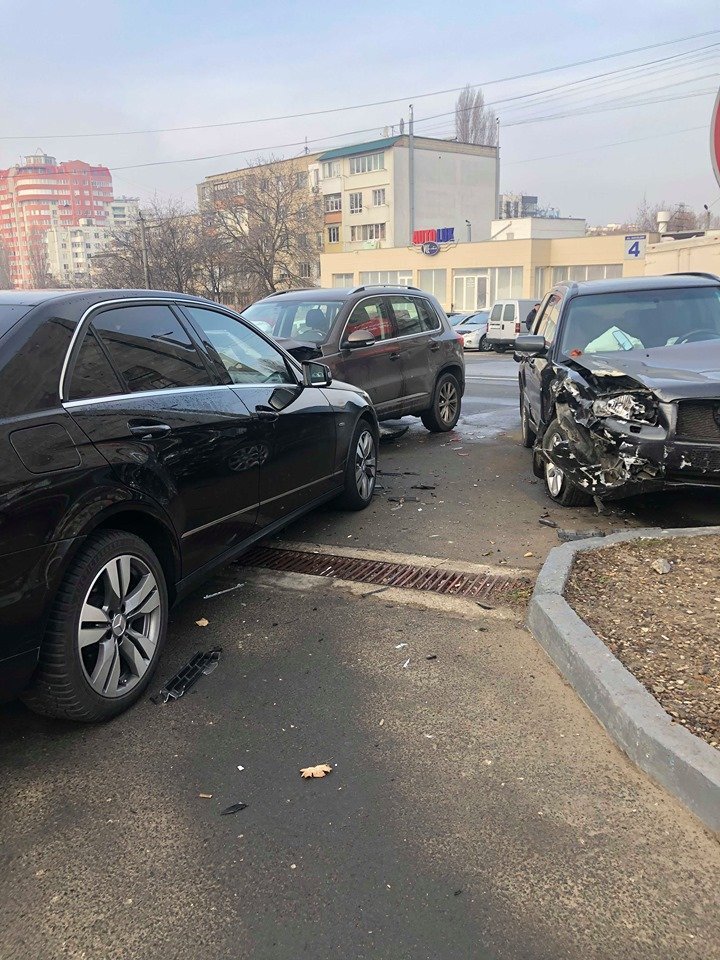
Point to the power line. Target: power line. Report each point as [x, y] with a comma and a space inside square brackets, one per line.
[603, 146]
[358, 106]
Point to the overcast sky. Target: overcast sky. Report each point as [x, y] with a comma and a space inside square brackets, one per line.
[124, 65]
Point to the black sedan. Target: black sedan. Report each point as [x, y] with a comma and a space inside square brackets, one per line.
[620, 386]
[145, 438]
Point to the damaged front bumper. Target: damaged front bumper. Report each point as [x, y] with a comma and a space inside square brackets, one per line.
[612, 458]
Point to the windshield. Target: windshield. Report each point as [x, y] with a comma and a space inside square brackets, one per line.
[10, 314]
[606, 323]
[475, 320]
[309, 320]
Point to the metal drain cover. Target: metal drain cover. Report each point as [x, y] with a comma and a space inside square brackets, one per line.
[477, 586]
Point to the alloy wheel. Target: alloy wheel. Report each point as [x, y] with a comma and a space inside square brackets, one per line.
[554, 476]
[119, 626]
[365, 465]
[448, 401]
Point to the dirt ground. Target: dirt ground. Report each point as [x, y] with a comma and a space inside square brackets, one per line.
[663, 626]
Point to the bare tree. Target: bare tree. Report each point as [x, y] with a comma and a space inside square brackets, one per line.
[475, 122]
[40, 277]
[274, 223]
[681, 217]
[5, 276]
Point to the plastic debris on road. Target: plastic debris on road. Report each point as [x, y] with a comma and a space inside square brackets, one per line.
[202, 622]
[233, 808]
[198, 666]
[219, 593]
[319, 770]
[406, 664]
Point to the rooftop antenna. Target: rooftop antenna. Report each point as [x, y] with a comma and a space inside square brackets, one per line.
[306, 147]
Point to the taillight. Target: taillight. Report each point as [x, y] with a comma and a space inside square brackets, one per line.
[517, 328]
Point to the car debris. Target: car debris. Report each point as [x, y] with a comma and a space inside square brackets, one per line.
[233, 808]
[547, 522]
[431, 656]
[387, 434]
[319, 770]
[423, 486]
[406, 664]
[219, 593]
[201, 664]
[205, 796]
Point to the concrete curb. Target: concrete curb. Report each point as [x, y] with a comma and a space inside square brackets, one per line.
[684, 764]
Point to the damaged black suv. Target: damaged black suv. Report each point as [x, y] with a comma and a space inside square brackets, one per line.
[620, 386]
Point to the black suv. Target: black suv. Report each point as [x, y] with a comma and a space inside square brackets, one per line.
[620, 386]
[394, 342]
[145, 438]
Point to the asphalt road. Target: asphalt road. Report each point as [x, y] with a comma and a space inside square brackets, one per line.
[475, 808]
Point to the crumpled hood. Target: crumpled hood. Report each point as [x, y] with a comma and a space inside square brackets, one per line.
[673, 373]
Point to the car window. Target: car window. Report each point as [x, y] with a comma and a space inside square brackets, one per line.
[549, 320]
[150, 348]
[10, 313]
[641, 319]
[509, 311]
[411, 316]
[93, 376]
[371, 314]
[247, 358]
[309, 320]
[496, 312]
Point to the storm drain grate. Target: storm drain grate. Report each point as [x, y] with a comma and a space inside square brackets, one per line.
[477, 586]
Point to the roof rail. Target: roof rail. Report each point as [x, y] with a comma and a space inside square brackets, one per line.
[280, 293]
[375, 286]
[694, 273]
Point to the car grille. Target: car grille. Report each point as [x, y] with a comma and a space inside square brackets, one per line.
[696, 420]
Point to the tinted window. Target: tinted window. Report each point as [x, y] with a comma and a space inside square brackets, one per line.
[407, 315]
[10, 314]
[244, 354]
[150, 348]
[92, 375]
[509, 311]
[371, 314]
[549, 320]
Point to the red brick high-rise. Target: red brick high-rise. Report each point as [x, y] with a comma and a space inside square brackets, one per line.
[40, 193]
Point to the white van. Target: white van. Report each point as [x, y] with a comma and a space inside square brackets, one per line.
[507, 321]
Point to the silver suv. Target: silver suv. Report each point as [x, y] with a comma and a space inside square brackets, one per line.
[394, 342]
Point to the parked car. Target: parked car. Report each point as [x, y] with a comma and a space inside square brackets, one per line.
[473, 329]
[145, 438]
[394, 342]
[507, 321]
[620, 386]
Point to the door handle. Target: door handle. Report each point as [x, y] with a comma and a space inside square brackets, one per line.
[149, 430]
[266, 413]
[395, 355]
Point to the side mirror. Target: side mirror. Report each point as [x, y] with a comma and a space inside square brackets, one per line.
[316, 374]
[532, 345]
[358, 338]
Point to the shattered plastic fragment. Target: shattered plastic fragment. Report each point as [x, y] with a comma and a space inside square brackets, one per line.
[423, 486]
[406, 664]
[200, 665]
[233, 808]
[209, 596]
[431, 656]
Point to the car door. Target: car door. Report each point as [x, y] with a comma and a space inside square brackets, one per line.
[509, 317]
[166, 425]
[375, 369]
[418, 327]
[536, 369]
[495, 322]
[292, 427]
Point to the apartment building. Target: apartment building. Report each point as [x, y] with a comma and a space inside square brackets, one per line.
[40, 193]
[70, 248]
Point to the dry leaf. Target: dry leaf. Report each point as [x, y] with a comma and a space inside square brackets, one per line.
[321, 770]
[202, 622]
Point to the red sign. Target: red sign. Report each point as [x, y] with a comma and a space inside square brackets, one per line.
[715, 138]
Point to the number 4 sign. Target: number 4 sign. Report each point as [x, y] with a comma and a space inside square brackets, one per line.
[635, 246]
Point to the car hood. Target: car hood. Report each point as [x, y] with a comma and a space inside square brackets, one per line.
[672, 373]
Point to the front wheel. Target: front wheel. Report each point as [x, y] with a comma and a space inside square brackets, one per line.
[361, 468]
[559, 487]
[445, 410]
[105, 633]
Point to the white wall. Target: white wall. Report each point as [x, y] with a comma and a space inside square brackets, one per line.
[450, 188]
[537, 228]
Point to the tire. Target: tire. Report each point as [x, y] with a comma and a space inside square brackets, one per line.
[445, 410]
[361, 468]
[528, 434]
[558, 486]
[484, 346]
[94, 672]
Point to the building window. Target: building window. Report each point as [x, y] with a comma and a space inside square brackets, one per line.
[402, 278]
[333, 234]
[600, 271]
[367, 231]
[367, 162]
[379, 197]
[343, 280]
[305, 271]
[331, 168]
[470, 290]
[435, 282]
[333, 202]
[507, 282]
[301, 178]
[356, 203]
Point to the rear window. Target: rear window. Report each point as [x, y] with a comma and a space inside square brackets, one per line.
[10, 314]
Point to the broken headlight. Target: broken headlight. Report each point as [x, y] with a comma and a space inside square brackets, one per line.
[627, 406]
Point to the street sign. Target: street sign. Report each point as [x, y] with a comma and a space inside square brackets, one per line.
[635, 246]
[715, 138]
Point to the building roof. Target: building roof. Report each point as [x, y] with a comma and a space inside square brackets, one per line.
[368, 147]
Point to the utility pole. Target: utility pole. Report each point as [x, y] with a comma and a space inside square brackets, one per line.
[411, 172]
[143, 244]
[497, 169]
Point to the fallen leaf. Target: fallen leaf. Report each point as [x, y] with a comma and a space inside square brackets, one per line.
[321, 770]
[202, 622]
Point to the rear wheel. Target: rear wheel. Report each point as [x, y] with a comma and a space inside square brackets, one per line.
[361, 468]
[484, 346]
[445, 410]
[105, 632]
[559, 487]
